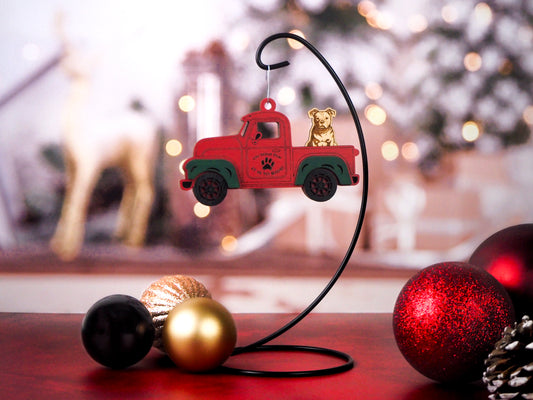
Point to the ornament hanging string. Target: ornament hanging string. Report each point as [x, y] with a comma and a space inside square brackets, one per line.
[260, 345]
[268, 81]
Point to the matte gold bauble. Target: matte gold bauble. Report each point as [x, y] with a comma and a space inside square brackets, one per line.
[164, 294]
[199, 334]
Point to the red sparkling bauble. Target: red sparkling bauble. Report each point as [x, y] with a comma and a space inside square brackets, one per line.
[447, 319]
[508, 256]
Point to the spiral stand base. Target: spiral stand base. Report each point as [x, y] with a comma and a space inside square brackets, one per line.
[348, 362]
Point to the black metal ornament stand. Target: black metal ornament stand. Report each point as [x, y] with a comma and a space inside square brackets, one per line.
[260, 345]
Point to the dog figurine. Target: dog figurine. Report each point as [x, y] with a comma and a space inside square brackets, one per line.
[321, 132]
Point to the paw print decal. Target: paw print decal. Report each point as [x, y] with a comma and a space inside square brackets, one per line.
[267, 163]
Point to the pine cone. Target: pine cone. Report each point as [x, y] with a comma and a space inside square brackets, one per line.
[510, 365]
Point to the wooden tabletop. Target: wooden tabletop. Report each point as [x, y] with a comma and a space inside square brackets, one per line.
[42, 358]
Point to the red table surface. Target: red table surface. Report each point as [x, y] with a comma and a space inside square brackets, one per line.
[42, 357]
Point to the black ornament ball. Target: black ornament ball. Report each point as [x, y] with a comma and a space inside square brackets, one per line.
[508, 256]
[117, 331]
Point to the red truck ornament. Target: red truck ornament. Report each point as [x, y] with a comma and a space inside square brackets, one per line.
[262, 156]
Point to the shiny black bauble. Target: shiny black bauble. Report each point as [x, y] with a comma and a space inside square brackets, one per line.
[117, 331]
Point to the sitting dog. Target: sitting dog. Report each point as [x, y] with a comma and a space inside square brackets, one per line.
[321, 132]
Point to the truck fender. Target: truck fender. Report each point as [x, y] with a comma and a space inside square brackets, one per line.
[223, 167]
[333, 163]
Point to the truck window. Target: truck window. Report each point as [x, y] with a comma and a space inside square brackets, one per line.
[244, 128]
[268, 130]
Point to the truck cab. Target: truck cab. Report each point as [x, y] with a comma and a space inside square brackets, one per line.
[266, 152]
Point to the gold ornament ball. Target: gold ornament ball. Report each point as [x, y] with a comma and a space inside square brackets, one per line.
[199, 334]
[164, 294]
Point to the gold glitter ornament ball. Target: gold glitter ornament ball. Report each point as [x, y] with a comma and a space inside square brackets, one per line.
[199, 334]
[164, 294]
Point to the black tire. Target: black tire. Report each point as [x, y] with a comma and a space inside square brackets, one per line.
[320, 184]
[210, 188]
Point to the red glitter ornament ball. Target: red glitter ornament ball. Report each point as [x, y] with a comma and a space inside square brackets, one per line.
[508, 256]
[447, 319]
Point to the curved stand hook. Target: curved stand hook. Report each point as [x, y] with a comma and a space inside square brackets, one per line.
[259, 345]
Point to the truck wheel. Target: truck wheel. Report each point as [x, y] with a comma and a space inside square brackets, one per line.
[320, 184]
[210, 188]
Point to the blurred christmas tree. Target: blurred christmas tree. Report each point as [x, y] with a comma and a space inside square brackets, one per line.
[462, 74]
[446, 75]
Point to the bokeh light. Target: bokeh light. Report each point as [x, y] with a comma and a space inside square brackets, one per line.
[528, 114]
[186, 103]
[375, 114]
[296, 45]
[472, 61]
[180, 167]
[506, 67]
[389, 150]
[373, 90]
[229, 243]
[173, 147]
[471, 131]
[410, 151]
[483, 13]
[201, 210]
[379, 20]
[365, 7]
[239, 41]
[449, 13]
[286, 96]
[417, 23]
